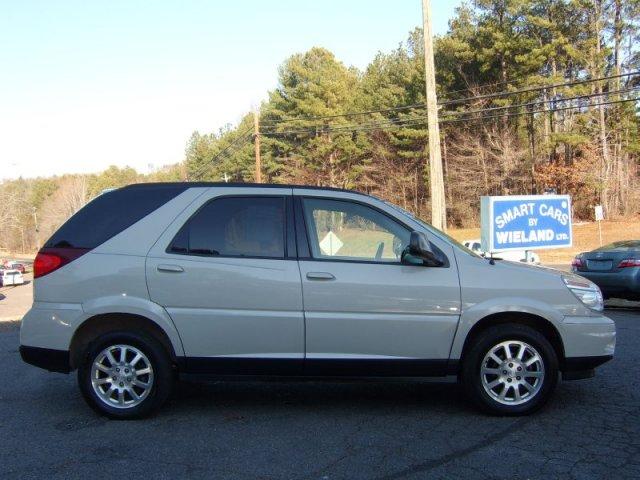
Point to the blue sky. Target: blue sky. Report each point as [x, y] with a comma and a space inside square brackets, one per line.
[86, 84]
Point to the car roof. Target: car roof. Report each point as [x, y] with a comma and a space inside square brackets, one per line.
[241, 185]
[620, 245]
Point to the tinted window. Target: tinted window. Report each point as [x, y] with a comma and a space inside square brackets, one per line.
[346, 230]
[111, 213]
[236, 227]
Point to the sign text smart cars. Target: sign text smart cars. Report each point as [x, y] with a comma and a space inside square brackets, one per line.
[525, 222]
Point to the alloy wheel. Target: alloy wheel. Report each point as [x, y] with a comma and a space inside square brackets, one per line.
[512, 372]
[121, 376]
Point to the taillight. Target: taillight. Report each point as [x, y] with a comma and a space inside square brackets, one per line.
[51, 259]
[629, 262]
[576, 262]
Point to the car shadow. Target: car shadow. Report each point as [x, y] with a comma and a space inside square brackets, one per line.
[372, 396]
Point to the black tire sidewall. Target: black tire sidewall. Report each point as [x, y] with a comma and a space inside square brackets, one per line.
[488, 339]
[162, 369]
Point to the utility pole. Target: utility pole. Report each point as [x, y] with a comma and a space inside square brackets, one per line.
[256, 142]
[436, 177]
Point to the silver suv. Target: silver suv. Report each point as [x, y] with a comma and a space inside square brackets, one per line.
[153, 280]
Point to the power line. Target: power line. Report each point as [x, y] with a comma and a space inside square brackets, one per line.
[320, 128]
[452, 101]
[413, 121]
[420, 120]
[538, 88]
[537, 102]
[242, 136]
[406, 121]
[511, 81]
[350, 114]
[543, 110]
[244, 139]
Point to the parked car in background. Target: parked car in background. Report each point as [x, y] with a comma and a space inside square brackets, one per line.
[21, 267]
[615, 268]
[11, 277]
[151, 281]
[511, 255]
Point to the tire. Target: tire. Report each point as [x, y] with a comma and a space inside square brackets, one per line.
[485, 386]
[113, 393]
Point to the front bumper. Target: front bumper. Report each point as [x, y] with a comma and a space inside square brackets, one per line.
[588, 343]
[577, 368]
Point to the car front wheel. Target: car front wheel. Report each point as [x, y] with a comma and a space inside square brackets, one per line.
[125, 375]
[510, 369]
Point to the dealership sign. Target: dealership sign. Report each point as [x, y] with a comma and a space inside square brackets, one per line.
[528, 222]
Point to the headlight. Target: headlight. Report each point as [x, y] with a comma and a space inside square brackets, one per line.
[588, 293]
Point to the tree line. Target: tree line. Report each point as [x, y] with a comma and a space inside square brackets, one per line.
[520, 113]
[535, 96]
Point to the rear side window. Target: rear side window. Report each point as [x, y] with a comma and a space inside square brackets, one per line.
[112, 212]
[235, 227]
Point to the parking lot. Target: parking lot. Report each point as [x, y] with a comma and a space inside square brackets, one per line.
[15, 300]
[312, 430]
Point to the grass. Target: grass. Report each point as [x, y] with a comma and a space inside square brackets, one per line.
[585, 238]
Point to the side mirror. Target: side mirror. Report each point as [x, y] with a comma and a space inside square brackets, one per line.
[419, 247]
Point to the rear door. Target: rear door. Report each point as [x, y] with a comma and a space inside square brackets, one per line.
[367, 313]
[227, 274]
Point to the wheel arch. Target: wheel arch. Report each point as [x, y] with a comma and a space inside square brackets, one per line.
[536, 322]
[101, 324]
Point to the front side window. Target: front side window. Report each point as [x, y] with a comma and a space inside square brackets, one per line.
[346, 230]
[235, 227]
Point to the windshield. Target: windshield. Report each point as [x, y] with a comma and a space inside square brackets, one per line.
[435, 231]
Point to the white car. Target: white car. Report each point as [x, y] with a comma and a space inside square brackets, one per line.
[11, 277]
[152, 281]
[511, 255]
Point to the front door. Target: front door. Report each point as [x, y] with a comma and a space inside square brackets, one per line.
[229, 281]
[366, 313]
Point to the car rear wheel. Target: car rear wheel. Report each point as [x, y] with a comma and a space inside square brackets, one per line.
[510, 369]
[125, 375]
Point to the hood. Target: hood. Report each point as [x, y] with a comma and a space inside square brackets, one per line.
[550, 272]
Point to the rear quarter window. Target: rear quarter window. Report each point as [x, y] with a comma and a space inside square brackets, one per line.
[252, 226]
[111, 213]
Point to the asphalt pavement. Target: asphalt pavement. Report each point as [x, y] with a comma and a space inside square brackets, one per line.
[15, 300]
[313, 430]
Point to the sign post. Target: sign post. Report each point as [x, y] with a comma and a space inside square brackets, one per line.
[599, 218]
[525, 222]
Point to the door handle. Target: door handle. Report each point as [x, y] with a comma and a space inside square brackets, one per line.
[320, 276]
[170, 268]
